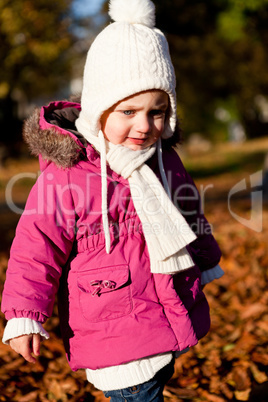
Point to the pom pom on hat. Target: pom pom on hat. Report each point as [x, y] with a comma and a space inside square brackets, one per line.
[133, 12]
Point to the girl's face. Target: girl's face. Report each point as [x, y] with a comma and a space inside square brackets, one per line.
[137, 121]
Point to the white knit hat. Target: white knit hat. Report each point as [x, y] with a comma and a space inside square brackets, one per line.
[127, 57]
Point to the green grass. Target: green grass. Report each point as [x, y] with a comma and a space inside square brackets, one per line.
[224, 158]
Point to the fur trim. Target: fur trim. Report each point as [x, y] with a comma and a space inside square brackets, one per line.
[52, 145]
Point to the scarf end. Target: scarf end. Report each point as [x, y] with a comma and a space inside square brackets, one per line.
[174, 264]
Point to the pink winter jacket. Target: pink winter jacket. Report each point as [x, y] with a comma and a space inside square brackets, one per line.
[112, 309]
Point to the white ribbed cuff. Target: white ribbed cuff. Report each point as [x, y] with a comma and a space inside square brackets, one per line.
[22, 326]
[211, 274]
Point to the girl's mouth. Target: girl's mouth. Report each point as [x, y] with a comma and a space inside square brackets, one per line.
[137, 141]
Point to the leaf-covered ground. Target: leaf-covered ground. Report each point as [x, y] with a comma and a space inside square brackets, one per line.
[229, 364]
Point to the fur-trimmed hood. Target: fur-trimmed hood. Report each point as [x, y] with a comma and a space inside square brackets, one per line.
[51, 134]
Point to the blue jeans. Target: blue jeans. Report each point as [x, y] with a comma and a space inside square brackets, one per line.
[150, 391]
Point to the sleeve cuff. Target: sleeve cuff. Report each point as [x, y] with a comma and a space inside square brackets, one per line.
[211, 274]
[22, 326]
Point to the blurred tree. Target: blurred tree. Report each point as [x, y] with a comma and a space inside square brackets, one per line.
[243, 27]
[198, 59]
[219, 49]
[35, 56]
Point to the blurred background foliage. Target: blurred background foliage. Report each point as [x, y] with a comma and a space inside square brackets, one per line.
[219, 49]
[35, 57]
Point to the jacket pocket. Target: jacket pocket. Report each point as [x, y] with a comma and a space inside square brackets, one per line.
[104, 293]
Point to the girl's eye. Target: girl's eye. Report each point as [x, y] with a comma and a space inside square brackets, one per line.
[128, 112]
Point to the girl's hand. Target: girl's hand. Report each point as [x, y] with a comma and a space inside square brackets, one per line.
[26, 345]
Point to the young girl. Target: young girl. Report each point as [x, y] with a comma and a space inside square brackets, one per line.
[114, 221]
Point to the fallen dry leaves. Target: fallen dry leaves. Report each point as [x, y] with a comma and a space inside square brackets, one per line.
[229, 364]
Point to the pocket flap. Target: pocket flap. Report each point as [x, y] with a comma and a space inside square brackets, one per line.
[103, 280]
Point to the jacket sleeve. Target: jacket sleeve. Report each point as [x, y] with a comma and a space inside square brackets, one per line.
[42, 245]
[204, 251]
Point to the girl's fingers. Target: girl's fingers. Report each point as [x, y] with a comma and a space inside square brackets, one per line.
[27, 354]
[36, 344]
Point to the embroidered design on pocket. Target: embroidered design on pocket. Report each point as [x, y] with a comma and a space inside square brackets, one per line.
[99, 285]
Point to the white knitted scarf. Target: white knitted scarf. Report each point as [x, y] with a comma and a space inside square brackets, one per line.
[166, 231]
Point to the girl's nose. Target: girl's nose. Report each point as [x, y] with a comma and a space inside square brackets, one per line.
[143, 124]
